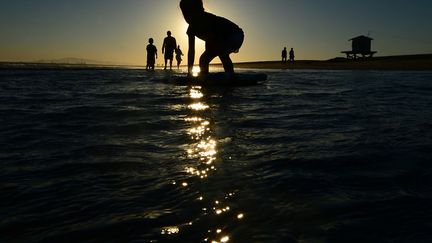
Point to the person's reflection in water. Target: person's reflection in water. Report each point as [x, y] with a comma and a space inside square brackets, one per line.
[222, 37]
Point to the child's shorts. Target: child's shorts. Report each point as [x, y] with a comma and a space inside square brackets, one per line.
[235, 41]
[226, 44]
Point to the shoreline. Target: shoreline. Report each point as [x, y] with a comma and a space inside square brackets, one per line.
[408, 62]
[405, 62]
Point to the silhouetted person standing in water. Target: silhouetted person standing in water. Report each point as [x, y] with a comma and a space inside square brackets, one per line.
[168, 47]
[222, 37]
[179, 55]
[284, 55]
[291, 55]
[151, 55]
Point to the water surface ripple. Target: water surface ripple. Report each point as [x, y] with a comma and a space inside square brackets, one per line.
[310, 156]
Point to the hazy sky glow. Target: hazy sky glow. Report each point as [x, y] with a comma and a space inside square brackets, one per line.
[117, 31]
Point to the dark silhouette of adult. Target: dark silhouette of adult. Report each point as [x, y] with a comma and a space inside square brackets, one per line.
[168, 47]
[179, 55]
[284, 55]
[222, 37]
[151, 55]
[291, 55]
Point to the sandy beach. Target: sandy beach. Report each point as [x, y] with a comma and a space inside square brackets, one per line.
[408, 62]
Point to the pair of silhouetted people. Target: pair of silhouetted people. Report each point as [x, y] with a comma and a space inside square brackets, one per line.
[222, 37]
[151, 55]
[284, 55]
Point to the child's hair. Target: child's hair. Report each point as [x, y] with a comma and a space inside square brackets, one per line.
[151, 40]
[190, 7]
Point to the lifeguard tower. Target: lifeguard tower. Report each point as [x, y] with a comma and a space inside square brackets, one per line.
[361, 45]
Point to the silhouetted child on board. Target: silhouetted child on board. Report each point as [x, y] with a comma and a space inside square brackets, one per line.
[179, 55]
[222, 37]
[151, 55]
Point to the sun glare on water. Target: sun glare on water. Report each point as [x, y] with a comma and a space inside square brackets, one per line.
[203, 162]
[195, 71]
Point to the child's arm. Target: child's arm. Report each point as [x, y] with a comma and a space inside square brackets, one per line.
[191, 53]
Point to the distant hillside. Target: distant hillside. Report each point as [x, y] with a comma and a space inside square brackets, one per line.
[74, 60]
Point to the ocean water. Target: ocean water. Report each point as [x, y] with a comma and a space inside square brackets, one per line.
[309, 156]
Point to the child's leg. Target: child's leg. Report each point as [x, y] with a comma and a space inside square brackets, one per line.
[227, 63]
[205, 60]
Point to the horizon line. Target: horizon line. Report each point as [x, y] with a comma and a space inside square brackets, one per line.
[113, 63]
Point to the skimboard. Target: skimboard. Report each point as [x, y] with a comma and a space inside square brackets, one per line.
[221, 79]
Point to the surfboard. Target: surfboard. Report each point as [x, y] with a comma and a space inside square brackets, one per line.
[221, 79]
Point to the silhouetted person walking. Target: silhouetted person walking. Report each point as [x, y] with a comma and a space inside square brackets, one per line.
[151, 55]
[291, 55]
[168, 47]
[284, 55]
[222, 37]
[179, 55]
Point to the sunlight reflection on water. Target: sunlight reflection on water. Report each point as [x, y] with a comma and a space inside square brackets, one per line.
[195, 71]
[202, 150]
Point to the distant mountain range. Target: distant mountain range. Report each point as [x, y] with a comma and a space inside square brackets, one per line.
[74, 60]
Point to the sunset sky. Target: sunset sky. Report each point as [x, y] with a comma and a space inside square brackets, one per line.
[117, 31]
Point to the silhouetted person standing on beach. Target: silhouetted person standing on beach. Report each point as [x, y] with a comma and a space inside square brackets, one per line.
[284, 55]
[222, 37]
[179, 55]
[151, 55]
[168, 47]
[291, 55]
